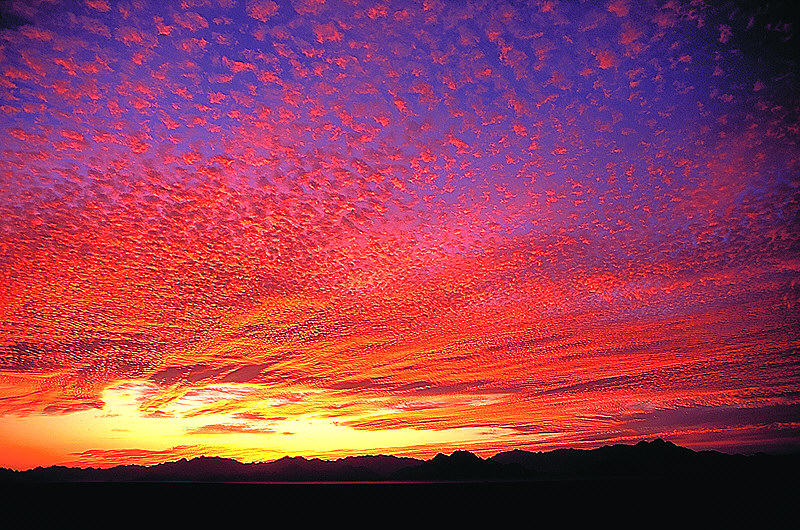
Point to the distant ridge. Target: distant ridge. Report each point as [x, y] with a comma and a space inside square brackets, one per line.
[656, 459]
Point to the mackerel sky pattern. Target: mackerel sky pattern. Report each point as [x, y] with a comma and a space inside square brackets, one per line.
[419, 225]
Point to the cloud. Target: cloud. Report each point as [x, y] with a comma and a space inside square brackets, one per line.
[145, 457]
[262, 10]
[228, 428]
[243, 374]
[69, 408]
[619, 8]
[720, 417]
[327, 33]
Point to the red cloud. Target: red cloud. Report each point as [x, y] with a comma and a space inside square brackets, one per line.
[605, 59]
[327, 33]
[262, 10]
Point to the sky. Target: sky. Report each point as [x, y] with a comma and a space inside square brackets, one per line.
[329, 228]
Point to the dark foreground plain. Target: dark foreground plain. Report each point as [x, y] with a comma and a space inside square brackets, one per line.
[621, 503]
[644, 485]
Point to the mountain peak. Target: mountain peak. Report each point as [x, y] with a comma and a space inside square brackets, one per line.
[464, 456]
[658, 442]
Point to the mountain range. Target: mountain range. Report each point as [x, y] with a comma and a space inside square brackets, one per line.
[655, 459]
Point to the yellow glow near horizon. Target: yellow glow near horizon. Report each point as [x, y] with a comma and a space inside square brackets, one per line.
[125, 423]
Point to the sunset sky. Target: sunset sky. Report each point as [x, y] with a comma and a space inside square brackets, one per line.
[329, 228]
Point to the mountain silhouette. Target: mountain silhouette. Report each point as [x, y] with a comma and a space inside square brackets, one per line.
[461, 465]
[655, 459]
[658, 458]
